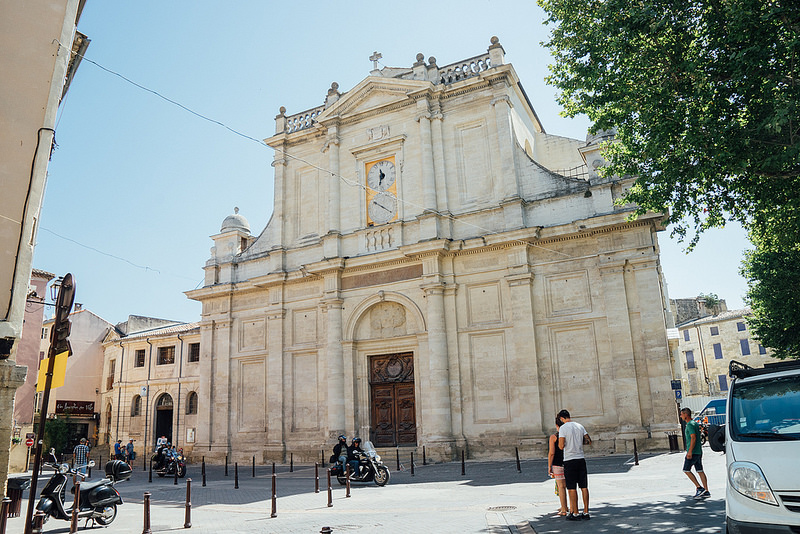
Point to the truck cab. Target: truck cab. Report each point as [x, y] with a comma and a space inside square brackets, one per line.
[761, 441]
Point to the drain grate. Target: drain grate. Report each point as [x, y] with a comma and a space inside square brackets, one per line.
[502, 508]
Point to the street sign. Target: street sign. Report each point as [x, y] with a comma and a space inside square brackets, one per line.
[29, 442]
[676, 384]
[678, 394]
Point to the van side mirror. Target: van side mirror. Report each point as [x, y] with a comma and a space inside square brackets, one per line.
[716, 437]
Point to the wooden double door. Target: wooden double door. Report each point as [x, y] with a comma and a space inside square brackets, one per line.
[393, 404]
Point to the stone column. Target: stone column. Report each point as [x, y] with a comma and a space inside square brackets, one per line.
[626, 390]
[334, 304]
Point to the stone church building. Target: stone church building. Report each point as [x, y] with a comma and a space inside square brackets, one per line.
[438, 271]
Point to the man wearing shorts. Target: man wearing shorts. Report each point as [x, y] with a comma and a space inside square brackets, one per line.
[694, 455]
[571, 438]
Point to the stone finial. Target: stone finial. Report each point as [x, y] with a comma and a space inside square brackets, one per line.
[333, 95]
[420, 71]
[433, 70]
[432, 61]
[280, 121]
[374, 58]
[420, 59]
[496, 52]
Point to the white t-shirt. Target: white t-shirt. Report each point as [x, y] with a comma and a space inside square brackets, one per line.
[572, 433]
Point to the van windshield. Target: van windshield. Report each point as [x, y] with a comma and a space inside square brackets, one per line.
[766, 410]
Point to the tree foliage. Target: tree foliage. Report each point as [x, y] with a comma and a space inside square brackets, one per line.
[704, 96]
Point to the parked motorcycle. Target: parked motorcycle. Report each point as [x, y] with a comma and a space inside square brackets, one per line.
[165, 463]
[98, 499]
[370, 468]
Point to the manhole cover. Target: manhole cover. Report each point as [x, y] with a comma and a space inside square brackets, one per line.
[502, 508]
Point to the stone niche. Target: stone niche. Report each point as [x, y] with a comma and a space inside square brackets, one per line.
[384, 320]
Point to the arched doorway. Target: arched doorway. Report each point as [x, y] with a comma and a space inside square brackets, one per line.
[164, 417]
[393, 405]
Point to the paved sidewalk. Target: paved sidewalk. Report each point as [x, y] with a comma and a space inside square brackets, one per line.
[491, 498]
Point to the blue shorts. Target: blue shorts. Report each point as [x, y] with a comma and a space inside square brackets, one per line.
[696, 460]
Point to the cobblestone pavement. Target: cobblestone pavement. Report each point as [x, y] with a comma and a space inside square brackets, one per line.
[492, 497]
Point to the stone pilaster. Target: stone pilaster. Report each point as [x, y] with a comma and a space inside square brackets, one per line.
[280, 162]
[205, 408]
[626, 390]
[222, 413]
[274, 448]
[426, 152]
[440, 171]
[505, 141]
[12, 376]
[335, 355]
[332, 143]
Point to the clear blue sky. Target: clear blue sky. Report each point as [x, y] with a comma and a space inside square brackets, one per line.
[139, 179]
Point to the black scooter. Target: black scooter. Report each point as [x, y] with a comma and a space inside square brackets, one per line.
[98, 500]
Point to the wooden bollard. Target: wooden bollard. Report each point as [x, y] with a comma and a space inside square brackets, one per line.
[226, 465]
[236, 475]
[424, 459]
[330, 491]
[4, 514]
[516, 453]
[316, 481]
[291, 462]
[412, 463]
[274, 493]
[397, 453]
[635, 454]
[146, 529]
[463, 466]
[347, 480]
[38, 522]
[187, 521]
[73, 523]
[254, 466]
[204, 471]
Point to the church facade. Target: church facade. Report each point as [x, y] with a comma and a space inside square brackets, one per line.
[438, 271]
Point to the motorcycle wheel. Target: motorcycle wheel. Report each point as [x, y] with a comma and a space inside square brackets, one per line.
[342, 479]
[109, 515]
[161, 474]
[182, 471]
[382, 475]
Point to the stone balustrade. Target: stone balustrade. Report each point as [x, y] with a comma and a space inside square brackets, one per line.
[464, 69]
[379, 239]
[302, 120]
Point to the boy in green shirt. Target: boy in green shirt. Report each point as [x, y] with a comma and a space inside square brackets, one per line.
[694, 455]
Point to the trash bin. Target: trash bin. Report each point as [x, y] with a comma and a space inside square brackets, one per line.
[16, 486]
[673, 441]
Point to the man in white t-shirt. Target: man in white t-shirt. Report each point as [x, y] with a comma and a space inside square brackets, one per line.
[572, 437]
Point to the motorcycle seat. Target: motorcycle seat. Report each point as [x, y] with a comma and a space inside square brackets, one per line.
[88, 486]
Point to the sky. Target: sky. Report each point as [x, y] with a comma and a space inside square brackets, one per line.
[137, 185]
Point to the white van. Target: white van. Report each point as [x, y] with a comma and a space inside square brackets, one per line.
[762, 444]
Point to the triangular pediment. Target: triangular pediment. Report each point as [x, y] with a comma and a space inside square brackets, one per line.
[372, 93]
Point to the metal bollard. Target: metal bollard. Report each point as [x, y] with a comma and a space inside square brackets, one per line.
[330, 491]
[516, 452]
[412, 463]
[236, 475]
[254, 466]
[291, 462]
[226, 465]
[322, 455]
[150, 473]
[90, 472]
[635, 454]
[4, 514]
[274, 493]
[463, 467]
[144, 462]
[177, 468]
[397, 451]
[347, 480]
[187, 521]
[204, 471]
[316, 480]
[424, 459]
[73, 523]
[146, 529]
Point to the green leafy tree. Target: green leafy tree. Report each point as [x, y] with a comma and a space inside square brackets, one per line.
[56, 433]
[704, 97]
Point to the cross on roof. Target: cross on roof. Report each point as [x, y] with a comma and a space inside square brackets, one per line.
[374, 58]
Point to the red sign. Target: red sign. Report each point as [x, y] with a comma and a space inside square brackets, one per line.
[29, 442]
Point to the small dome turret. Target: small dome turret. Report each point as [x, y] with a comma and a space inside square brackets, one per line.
[235, 222]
